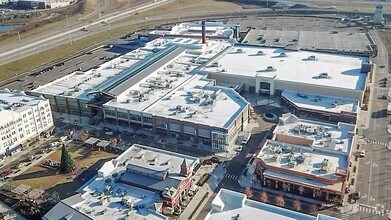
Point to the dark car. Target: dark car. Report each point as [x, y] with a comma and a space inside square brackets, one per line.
[207, 162]
[215, 160]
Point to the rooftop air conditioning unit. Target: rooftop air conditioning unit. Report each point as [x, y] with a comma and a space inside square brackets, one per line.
[312, 58]
[261, 53]
[292, 164]
[239, 50]
[283, 54]
[215, 64]
[270, 69]
[324, 76]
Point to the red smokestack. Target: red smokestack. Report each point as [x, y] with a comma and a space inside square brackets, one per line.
[203, 32]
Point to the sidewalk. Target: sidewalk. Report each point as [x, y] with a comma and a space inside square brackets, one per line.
[204, 192]
[11, 214]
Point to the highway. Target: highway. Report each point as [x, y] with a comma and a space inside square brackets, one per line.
[98, 7]
[356, 2]
[52, 38]
[61, 35]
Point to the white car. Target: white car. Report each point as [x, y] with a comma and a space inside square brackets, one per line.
[361, 153]
[63, 138]
[54, 144]
[240, 148]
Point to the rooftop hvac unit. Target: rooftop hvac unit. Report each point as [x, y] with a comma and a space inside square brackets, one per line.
[239, 50]
[276, 158]
[312, 58]
[270, 69]
[146, 85]
[134, 92]
[292, 164]
[77, 89]
[283, 54]
[300, 158]
[325, 162]
[215, 64]
[324, 76]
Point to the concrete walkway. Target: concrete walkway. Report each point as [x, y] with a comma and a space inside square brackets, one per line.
[204, 192]
[11, 214]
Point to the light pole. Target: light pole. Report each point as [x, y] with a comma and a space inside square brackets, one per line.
[69, 30]
[99, 12]
[179, 13]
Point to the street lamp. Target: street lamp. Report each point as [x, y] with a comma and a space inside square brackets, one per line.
[179, 13]
[69, 31]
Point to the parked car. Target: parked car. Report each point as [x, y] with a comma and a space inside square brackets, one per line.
[6, 173]
[240, 148]
[360, 153]
[215, 160]
[383, 66]
[246, 137]
[54, 144]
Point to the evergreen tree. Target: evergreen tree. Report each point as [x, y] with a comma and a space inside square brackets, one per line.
[67, 162]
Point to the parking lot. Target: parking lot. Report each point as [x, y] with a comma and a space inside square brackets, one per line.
[83, 62]
[308, 32]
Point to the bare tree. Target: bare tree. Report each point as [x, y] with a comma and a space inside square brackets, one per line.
[264, 197]
[297, 205]
[83, 135]
[280, 201]
[249, 193]
[312, 209]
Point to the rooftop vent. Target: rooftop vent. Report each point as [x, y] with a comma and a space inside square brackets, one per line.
[215, 64]
[324, 76]
[270, 69]
[283, 54]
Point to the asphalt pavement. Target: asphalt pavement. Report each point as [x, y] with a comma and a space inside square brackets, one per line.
[374, 175]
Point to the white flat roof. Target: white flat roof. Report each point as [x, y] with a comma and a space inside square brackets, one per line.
[140, 156]
[179, 105]
[113, 209]
[334, 137]
[194, 29]
[321, 103]
[228, 204]
[17, 101]
[344, 71]
[315, 148]
[163, 160]
[174, 91]
[312, 162]
[79, 83]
